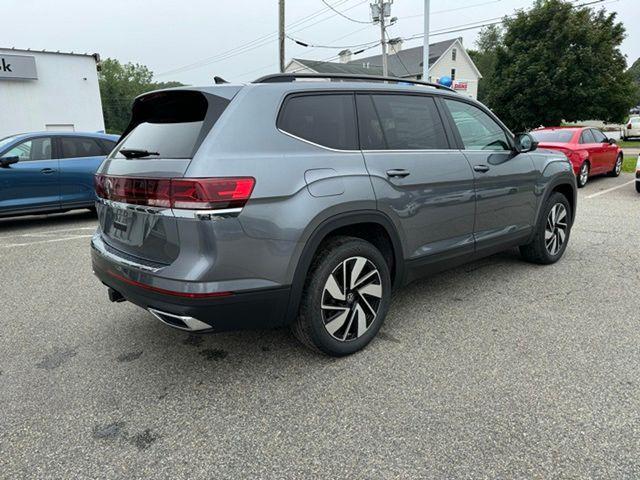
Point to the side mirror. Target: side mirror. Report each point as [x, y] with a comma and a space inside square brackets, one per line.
[525, 143]
[6, 161]
[611, 141]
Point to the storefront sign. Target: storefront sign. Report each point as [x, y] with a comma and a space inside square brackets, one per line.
[17, 67]
[460, 86]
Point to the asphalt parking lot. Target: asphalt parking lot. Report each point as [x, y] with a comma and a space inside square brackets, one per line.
[498, 369]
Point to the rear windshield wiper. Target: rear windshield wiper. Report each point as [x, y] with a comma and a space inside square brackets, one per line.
[137, 153]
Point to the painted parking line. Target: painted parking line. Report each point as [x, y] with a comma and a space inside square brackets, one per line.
[46, 232]
[602, 192]
[38, 242]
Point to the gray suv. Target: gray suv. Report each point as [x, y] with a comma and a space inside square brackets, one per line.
[304, 201]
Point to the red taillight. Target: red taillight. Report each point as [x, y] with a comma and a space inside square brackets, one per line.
[629, 127]
[181, 193]
[211, 193]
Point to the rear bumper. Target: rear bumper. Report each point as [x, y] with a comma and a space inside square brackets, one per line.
[257, 309]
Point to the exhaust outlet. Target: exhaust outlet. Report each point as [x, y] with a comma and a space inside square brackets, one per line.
[188, 324]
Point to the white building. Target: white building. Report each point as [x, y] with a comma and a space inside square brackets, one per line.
[49, 91]
[447, 58]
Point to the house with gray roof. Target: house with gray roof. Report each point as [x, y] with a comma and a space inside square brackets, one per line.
[446, 58]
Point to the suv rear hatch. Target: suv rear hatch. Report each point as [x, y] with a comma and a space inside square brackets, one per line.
[135, 183]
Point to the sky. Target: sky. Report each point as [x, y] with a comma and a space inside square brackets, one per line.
[192, 41]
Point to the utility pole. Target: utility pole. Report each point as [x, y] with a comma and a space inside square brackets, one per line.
[383, 40]
[378, 14]
[281, 33]
[425, 50]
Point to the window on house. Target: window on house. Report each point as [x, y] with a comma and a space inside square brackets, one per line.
[453, 74]
[454, 54]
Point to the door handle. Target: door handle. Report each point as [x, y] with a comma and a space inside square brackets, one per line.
[481, 168]
[398, 172]
[47, 171]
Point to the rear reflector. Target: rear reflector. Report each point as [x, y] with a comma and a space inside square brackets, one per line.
[179, 193]
[163, 291]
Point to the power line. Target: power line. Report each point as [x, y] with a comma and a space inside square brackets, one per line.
[304, 44]
[247, 46]
[343, 15]
[397, 56]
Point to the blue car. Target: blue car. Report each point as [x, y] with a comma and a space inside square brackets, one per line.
[50, 172]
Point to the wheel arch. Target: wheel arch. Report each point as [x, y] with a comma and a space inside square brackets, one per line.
[358, 224]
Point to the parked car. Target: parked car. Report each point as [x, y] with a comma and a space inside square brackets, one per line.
[632, 128]
[304, 203]
[589, 150]
[50, 172]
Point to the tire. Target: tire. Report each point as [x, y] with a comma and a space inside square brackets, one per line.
[541, 249]
[326, 322]
[617, 167]
[583, 174]
[637, 186]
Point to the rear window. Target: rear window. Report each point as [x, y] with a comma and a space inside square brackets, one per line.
[328, 120]
[553, 136]
[635, 121]
[171, 124]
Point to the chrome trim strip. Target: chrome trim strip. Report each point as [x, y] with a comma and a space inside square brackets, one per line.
[424, 150]
[136, 208]
[317, 144]
[193, 324]
[215, 214]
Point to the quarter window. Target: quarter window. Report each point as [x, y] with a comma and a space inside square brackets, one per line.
[400, 122]
[77, 147]
[34, 149]
[477, 129]
[107, 145]
[327, 120]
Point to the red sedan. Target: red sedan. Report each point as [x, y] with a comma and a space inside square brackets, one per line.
[588, 149]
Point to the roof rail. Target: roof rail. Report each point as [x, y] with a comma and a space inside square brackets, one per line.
[292, 77]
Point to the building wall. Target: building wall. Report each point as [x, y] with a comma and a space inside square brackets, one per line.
[65, 96]
[464, 71]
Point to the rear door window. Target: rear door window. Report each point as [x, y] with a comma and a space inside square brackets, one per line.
[171, 124]
[587, 137]
[400, 122]
[328, 120]
[78, 147]
[477, 129]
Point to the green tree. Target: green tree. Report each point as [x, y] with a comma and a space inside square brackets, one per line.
[119, 85]
[634, 71]
[560, 62]
[489, 39]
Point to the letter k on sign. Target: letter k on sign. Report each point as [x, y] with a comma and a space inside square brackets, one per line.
[5, 67]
